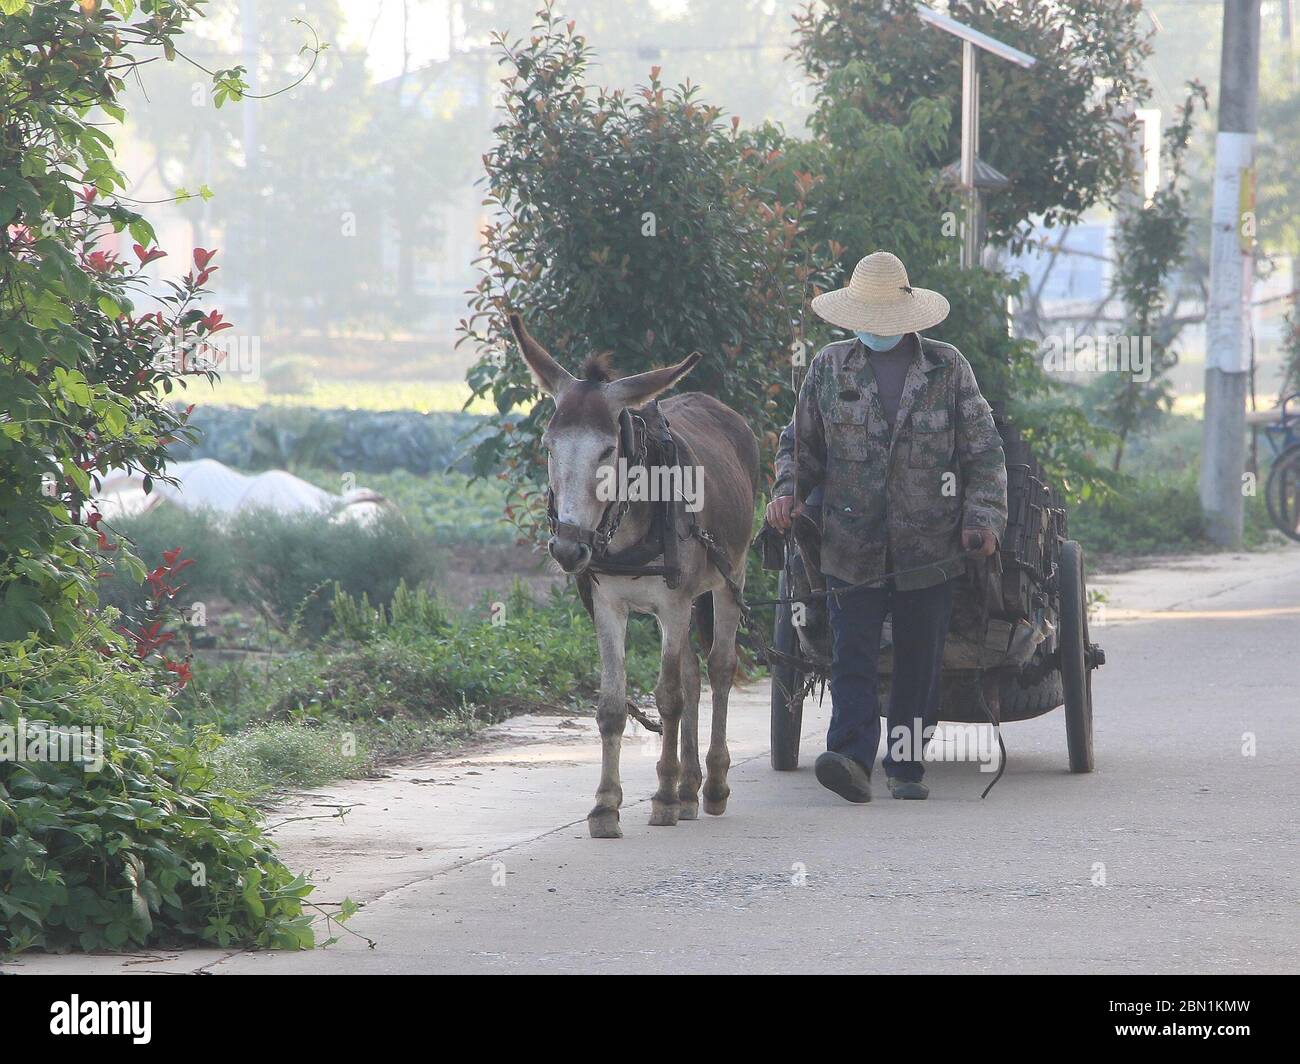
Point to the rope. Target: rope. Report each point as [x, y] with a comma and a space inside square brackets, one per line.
[635, 712]
[1002, 747]
[829, 592]
[984, 702]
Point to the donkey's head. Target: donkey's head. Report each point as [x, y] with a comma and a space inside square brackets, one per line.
[583, 436]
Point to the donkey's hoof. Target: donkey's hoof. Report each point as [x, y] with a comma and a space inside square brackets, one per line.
[604, 824]
[663, 815]
[688, 809]
[716, 806]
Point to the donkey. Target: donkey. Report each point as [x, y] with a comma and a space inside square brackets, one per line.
[584, 436]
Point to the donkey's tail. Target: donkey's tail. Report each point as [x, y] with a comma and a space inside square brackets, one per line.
[702, 621]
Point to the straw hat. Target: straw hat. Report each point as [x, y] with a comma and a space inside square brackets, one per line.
[879, 300]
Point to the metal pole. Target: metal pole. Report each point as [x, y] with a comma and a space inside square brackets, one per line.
[1227, 322]
[1288, 37]
[970, 147]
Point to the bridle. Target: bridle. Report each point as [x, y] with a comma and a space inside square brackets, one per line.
[633, 446]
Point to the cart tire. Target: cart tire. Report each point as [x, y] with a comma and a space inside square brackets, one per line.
[787, 721]
[1076, 676]
[1026, 701]
[1282, 492]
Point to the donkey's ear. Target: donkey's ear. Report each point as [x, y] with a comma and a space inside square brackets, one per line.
[549, 375]
[632, 391]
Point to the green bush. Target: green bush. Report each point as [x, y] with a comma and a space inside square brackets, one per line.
[148, 850]
[416, 611]
[215, 574]
[82, 371]
[290, 564]
[286, 566]
[1154, 513]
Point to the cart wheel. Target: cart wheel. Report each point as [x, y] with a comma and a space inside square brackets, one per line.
[787, 683]
[1076, 674]
[1282, 492]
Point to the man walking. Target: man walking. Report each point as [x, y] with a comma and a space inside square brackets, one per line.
[894, 431]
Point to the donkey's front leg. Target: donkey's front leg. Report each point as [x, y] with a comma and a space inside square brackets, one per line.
[611, 717]
[670, 698]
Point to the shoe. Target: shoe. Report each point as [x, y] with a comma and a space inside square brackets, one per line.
[845, 777]
[908, 790]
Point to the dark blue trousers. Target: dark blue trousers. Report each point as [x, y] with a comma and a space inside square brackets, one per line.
[920, 623]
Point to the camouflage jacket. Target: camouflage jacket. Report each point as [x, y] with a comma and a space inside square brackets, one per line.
[900, 500]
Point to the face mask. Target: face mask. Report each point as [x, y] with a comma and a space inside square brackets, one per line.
[879, 343]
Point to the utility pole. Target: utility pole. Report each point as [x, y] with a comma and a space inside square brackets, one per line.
[970, 150]
[1227, 319]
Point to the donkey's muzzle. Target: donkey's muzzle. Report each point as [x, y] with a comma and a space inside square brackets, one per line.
[571, 555]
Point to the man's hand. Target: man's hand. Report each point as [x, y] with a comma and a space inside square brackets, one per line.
[980, 542]
[781, 510]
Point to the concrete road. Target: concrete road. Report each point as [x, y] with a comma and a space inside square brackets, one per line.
[1179, 854]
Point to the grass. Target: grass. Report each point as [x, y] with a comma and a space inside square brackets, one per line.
[274, 756]
[423, 680]
[278, 755]
[530, 654]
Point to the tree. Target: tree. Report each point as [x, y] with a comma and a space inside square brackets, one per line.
[634, 223]
[1151, 246]
[1053, 129]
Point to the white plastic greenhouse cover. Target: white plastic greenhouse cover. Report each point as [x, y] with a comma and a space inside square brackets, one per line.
[210, 485]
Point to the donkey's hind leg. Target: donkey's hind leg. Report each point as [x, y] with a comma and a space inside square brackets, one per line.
[670, 698]
[722, 670]
[688, 791]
